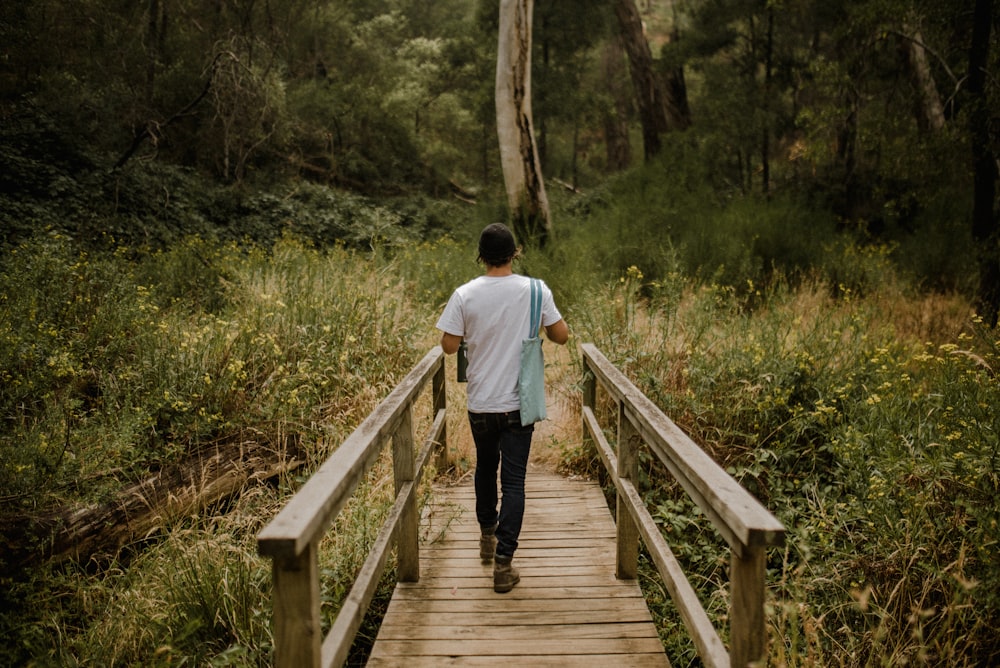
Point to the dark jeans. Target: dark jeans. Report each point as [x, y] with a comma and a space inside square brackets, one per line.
[501, 442]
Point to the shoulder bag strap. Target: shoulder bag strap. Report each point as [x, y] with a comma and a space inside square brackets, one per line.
[536, 308]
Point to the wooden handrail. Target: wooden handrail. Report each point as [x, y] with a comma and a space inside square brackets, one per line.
[746, 525]
[292, 538]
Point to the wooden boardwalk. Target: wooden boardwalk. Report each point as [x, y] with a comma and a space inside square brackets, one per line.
[568, 610]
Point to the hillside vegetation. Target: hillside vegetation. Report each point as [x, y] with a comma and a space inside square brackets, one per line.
[228, 228]
[860, 411]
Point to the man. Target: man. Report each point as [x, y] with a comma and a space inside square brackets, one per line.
[492, 314]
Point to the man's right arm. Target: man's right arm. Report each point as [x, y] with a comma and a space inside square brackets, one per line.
[558, 332]
[449, 343]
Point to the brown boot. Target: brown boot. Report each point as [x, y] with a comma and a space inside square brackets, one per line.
[505, 576]
[487, 545]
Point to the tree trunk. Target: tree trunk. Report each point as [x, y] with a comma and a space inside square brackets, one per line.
[675, 90]
[652, 112]
[152, 49]
[984, 217]
[662, 104]
[522, 171]
[616, 139]
[928, 108]
[101, 530]
[765, 148]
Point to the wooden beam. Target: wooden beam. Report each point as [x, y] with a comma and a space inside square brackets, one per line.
[747, 619]
[297, 632]
[627, 567]
[706, 639]
[338, 641]
[407, 536]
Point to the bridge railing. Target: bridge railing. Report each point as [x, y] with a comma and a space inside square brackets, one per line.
[744, 523]
[292, 538]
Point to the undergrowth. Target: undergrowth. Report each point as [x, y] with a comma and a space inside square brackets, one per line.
[860, 411]
[866, 423]
[117, 364]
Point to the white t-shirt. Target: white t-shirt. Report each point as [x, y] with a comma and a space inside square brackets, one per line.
[493, 314]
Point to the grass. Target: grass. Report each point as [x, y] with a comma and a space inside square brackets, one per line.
[861, 412]
[121, 363]
[867, 424]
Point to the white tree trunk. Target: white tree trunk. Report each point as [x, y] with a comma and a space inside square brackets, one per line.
[522, 170]
[930, 111]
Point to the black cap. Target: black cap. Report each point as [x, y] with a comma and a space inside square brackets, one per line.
[496, 244]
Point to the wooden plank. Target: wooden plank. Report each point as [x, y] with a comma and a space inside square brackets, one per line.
[491, 604]
[525, 631]
[568, 609]
[706, 639]
[627, 561]
[338, 640]
[748, 622]
[459, 583]
[297, 633]
[652, 660]
[404, 471]
[504, 619]
[445, 590]
[511, 648]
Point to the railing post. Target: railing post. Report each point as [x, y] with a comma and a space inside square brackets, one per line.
[403, 466]
[440, 402]
[589, 399]
[747, 626]
[628, 468]
[297, 633]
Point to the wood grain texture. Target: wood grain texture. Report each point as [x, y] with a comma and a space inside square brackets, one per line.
[568, 609]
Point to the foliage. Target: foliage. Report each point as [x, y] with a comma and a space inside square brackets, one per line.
[364, 95]
[666, 217]
[118, 363]
[214, 288]
[810, 103]
[154, 356]
[859, 411]
[55, 186]
[865, 423]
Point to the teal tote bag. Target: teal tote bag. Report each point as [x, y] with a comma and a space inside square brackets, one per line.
[531, 380]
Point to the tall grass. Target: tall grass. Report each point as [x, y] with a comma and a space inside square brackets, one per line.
[867, 423]
[861, 412]
[117, 364]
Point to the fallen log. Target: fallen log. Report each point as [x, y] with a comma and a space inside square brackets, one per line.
[142, 509]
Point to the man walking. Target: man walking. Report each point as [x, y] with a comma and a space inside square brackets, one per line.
[492, 315]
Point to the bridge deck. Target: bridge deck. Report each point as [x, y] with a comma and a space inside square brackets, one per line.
[569, 609]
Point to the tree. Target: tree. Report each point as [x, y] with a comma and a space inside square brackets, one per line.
[522, 172]
[662, 107]
[984, 218]
[928, 109]
[615, 116]
[248, 103]
[565, 38]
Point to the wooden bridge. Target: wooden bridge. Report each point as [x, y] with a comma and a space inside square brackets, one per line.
[578, 602]
[568, 610]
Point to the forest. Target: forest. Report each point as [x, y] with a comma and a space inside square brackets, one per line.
[227, 228]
